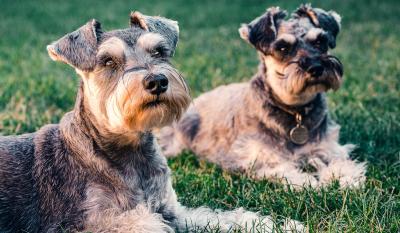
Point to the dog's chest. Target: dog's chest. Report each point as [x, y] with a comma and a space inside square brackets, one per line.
[148, 184]
[139, 184]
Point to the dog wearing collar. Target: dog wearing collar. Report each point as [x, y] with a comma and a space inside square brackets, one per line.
[100, 169]
[276, 126]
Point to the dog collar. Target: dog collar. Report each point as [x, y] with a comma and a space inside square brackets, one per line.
[299, 134]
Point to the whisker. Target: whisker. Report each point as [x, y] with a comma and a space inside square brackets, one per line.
[335, 63]
[127, 89]
[280, 75]
[335, 58]
[179, 77]
[283, 76]
[292, 62]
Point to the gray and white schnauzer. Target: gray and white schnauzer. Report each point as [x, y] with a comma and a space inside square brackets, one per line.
[277, 125]
[100, 169]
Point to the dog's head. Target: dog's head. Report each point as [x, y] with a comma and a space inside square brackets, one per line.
[295, 51]
[128, 82]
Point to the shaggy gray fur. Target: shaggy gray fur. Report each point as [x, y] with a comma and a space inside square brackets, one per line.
[246, 126]
[100, 169]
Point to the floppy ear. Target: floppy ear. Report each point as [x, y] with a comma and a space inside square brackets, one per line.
[262, 31]
[328, 21]
[169, 29]
[78, 48]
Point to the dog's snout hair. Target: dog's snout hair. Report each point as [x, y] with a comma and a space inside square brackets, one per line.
[334, 63]
[135, 69]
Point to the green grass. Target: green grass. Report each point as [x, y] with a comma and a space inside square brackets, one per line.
[35, 91]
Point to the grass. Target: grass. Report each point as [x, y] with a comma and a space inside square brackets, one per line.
[35, 91]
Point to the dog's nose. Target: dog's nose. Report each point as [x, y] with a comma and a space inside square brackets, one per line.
[156, 84]
[315, 70]
[312, 66]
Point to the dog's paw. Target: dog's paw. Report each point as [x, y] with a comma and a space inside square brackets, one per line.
[349, 173]
[292, 226]
[141, 219]
[288, 174]
[298, 180]
[247, 221]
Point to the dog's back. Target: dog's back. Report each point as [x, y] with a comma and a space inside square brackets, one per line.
[41, 188]
[16, 184]
[208, 126]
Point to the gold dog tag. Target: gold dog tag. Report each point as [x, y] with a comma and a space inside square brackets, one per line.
[299, 135]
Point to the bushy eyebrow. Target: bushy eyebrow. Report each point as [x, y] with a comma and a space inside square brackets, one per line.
[287, 38]
[113, 47]
[160, 45]
[314, 34]
[151, 40]
[104, 55]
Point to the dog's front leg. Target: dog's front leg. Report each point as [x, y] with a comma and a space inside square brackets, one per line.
[259, 159]
[140, 219]
[333, 162]
[238, 220]
[203, 218]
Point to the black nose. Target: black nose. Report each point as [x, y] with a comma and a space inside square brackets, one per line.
[315, 70]
[155, 84]
[312, 66]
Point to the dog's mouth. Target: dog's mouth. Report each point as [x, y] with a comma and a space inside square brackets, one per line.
[279, 74]
[318, 81]
[310, 80]
[329, 81]
[153, 103]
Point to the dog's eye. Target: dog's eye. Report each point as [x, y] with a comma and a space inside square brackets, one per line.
[318, 43]
[283, 48]
[321, 43]
[109, 62]
[158, 52]
[155, 53]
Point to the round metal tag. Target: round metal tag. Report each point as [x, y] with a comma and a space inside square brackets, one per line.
[299, 135]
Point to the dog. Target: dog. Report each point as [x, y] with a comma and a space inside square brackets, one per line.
[100, 169]
[276, 126]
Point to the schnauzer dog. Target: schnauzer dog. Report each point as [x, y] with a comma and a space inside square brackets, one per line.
[100, 169]
[276, 126]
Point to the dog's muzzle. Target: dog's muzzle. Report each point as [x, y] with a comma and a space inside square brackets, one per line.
[313, 66]
[155, 84]
[316, 66]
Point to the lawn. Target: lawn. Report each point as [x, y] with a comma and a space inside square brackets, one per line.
[35, 91]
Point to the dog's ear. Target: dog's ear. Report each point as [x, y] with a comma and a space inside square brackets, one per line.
[168, 28]
[79, 47]
[327, 21]
[262, 31]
